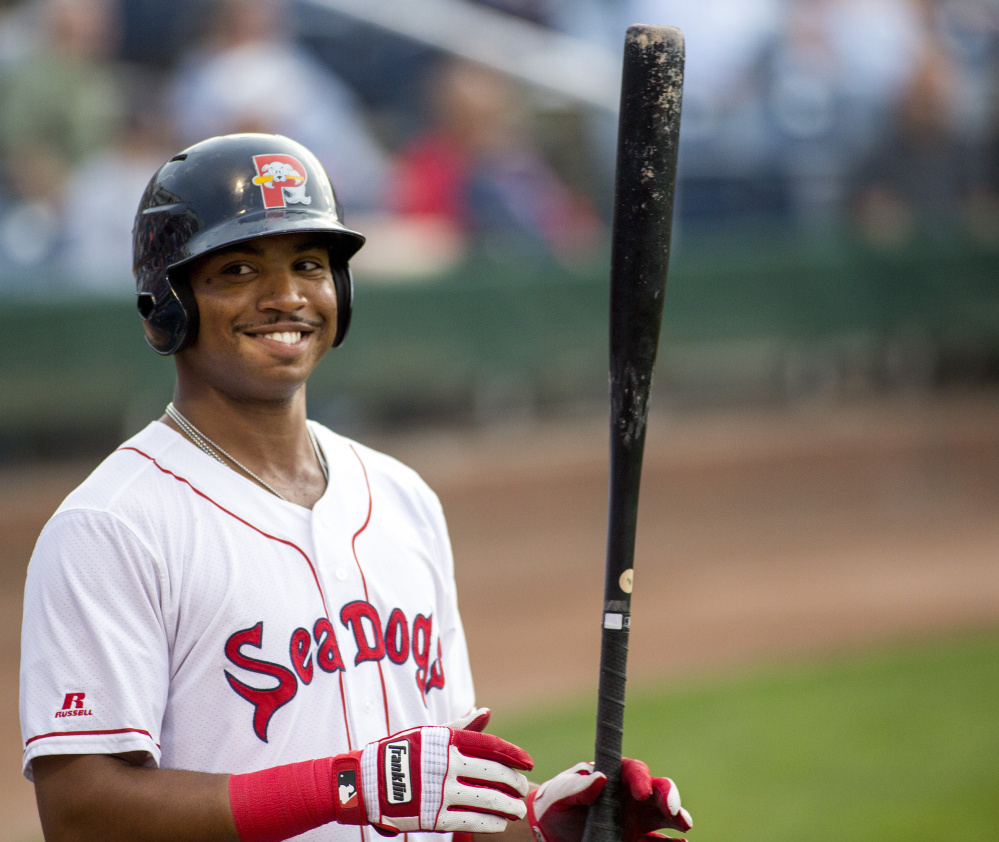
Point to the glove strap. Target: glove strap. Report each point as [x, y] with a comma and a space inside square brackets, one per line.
[532, 818]
[284, 801]
[349, 799]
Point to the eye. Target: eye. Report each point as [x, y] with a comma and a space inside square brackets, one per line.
[238, 268]
[310, 264]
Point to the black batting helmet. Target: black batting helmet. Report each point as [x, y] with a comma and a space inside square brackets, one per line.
[223, 191]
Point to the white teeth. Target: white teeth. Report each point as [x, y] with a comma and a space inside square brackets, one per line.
[288, 337]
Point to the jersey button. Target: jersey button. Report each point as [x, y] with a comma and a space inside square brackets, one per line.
[341, 574]
[369, 706]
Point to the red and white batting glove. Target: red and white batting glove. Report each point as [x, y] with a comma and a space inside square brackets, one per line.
[557, 809]
[435, 778]
[443, 779]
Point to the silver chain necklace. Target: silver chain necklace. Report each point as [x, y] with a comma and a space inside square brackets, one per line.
[213, 450]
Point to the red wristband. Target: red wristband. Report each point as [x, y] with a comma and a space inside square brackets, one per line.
[277, 803]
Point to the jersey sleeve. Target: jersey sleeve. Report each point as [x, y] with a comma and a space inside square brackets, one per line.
[95, 660]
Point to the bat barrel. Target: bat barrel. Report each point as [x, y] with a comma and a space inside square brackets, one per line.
[648, 135]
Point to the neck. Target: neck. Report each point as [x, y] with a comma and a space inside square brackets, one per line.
[270, 438]
[272, 427]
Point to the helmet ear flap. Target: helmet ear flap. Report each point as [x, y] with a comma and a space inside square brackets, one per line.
[181, 284]
[172, 324]
[343, 282]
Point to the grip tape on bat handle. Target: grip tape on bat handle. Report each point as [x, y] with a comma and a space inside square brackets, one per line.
[604, 818]
[603, 822]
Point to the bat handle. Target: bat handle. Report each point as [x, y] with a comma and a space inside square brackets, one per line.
[603, 821]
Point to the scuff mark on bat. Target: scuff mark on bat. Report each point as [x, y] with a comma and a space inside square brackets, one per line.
[632, 409]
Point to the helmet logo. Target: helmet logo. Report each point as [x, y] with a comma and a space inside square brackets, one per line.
[282, 180]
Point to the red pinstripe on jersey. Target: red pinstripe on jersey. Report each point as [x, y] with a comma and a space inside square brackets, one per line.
[257, 529]
[364, 581]
[315, 576]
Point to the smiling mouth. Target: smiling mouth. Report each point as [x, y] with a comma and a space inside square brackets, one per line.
[287, 337]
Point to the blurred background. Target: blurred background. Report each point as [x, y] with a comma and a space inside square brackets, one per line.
[837, 223]
[823, 469]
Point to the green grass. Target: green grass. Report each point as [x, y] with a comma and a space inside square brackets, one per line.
[896, 745]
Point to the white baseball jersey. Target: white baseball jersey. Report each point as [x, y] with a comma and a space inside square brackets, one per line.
[175, 607]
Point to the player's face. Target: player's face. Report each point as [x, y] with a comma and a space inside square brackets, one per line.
[267, 313]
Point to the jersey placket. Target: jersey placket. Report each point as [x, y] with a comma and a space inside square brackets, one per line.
[358, 635]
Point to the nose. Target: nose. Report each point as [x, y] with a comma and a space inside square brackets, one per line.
[282, 292]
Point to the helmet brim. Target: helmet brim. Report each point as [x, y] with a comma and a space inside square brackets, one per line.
[343, 242]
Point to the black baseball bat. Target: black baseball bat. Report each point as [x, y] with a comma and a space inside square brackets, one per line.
[645, 181]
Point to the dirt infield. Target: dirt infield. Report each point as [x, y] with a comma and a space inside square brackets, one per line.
[761, 537]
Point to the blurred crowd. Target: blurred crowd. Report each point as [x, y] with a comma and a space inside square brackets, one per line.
[876, 117]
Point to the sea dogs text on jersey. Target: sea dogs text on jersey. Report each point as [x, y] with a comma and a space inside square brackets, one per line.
[397, 641]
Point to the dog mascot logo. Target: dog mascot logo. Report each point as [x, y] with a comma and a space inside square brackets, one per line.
[281, 179]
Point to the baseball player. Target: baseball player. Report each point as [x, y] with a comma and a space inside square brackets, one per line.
[243, 625]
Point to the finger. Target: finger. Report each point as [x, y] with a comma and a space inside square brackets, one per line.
[668, 804]
[667, 797]
[687, 820]
[484, 799]
[512, 791]
[570, 789]
[475, 720]
[471, 822]
[681, 821]
[491, 747]
[489, 773]
[638, 778]
[584, 768]
[480, 720]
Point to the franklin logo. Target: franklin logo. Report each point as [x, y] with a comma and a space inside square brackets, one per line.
[397, 772]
